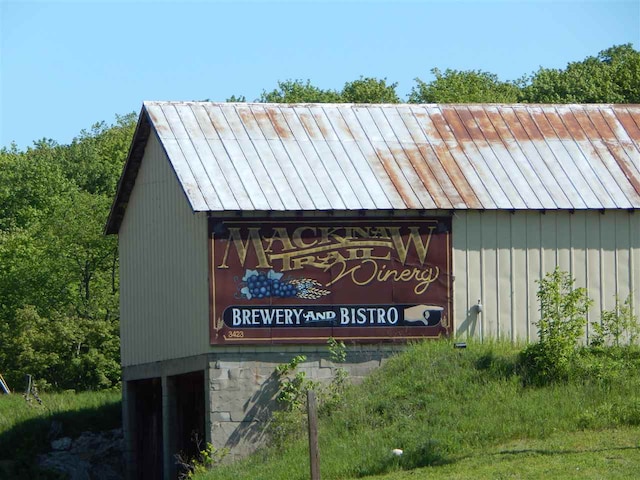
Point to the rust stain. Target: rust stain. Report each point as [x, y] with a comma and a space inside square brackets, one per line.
[467, 120]
[493, 163]
[617, 151]
[245, 115]
[485, 125]
[445, 149]
[602, 127]
[219, 122]
[543, 186]
[263, 121]
[620, 155]
[449, 177]
[339, 123]
[615, 124]
[248, 125]
[585, 123]
[451, 168]
[540, 119]
[510, 120]
[325, 129]
[427, 177]
[309, 125]
[569, 120]
[458, 129]
[626, 119]
[279, 123]
[555, 121]
[159, 123]
[529, 126]
[398, 180]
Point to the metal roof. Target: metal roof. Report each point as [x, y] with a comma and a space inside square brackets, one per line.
[302, 157]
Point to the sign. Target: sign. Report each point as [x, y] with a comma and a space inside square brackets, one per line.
[278, 281]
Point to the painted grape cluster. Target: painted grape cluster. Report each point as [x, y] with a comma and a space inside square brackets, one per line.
[261, 286]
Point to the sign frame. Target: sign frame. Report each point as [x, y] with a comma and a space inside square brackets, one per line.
[251, 332]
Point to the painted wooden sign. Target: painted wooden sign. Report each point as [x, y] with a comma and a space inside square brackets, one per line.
[305, 281]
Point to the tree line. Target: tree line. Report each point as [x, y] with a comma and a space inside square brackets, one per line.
[612, 76]
[59, 284]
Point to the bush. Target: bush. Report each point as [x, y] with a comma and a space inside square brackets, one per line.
[563, 310]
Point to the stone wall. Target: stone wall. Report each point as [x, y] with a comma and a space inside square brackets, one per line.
[243, 386]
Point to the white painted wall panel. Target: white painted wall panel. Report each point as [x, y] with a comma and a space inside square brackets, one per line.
[499, 256]
[163, 268]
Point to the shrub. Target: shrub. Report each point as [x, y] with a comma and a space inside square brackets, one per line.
[563, 310]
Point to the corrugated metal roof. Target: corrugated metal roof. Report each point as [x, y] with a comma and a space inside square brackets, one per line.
[298, 157]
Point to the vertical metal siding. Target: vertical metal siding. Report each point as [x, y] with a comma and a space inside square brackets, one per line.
[499, 256]
[163, 268]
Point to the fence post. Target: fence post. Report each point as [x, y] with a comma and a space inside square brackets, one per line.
[28, 391]
[314, 453]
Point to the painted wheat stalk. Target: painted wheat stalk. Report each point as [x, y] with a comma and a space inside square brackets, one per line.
[309, 288]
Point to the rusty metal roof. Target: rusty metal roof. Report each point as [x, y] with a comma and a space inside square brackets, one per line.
[341, 157]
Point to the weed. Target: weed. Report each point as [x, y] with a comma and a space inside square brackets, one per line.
[616, 324]
[289, 422]
[207, 457]
[293, 384]
[607, 415]
[331, 395]
[337, 350]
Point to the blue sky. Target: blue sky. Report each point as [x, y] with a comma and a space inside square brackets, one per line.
[66, 65]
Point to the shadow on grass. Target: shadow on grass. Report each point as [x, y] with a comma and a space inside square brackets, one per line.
[545, 452]
[21, 444]
[496, 366]
[525, 452]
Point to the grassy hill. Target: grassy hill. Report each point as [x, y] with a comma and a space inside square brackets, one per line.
[466, 413]
[25, 426]
[456, 413]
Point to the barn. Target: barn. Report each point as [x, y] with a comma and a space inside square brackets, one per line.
[250, 233]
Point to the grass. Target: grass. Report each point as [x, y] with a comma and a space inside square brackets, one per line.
[611, 454]
[25, 426]
[466, 414]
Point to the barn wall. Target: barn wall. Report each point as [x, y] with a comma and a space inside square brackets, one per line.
[164, 298]
[498, 256]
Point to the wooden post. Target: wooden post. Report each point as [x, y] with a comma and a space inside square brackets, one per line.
[28, 392]
[314, 452]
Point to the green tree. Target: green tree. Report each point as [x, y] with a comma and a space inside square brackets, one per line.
[236, 99]
[94, 159]
[370, 90]
[297, 91]
[58, 272]
[470, 86]
[31, 183]
[613, 76]
[363, 90]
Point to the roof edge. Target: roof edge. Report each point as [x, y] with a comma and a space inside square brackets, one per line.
[129, 173]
